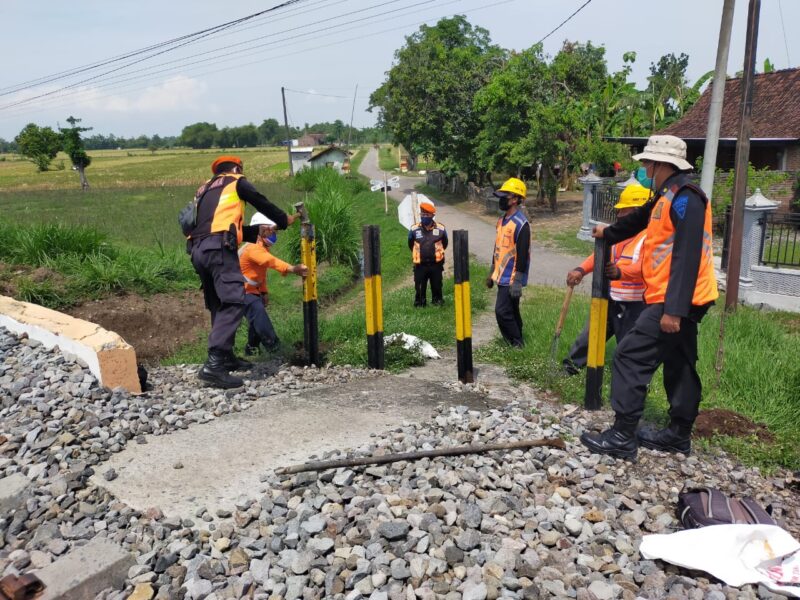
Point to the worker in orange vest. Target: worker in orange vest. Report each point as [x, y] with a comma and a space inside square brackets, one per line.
[212, 242]
[680, 287]
[626, 287]
[427, 241]
[254, 260]
[510, 260]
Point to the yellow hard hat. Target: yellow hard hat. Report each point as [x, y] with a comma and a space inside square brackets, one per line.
[514, 186]
[632, 196]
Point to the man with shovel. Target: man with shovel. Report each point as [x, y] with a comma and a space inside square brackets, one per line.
[626, 287]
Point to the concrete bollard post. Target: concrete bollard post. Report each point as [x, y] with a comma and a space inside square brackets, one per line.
[590, 184]
[755, 207]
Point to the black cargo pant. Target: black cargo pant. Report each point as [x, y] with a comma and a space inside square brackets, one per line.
[637, 358]
[621, 319]
[260, 330]
[509, 319]
[223, 289]
[422, 275]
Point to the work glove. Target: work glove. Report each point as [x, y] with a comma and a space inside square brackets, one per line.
[489, 282]
[612, 271]
[516, 290]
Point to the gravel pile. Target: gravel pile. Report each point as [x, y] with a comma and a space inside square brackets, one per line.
[537, 524]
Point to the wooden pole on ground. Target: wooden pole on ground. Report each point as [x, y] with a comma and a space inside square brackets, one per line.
[373, 295]
[308, 256]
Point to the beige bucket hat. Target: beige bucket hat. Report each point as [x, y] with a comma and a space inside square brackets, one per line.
[665, 148]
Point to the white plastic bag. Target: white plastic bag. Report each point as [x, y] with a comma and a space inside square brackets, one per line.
[411, 342]
[735, 554]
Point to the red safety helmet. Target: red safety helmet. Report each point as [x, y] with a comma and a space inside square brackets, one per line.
[226, 159]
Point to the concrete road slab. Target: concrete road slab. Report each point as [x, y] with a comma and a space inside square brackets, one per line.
[225, 458]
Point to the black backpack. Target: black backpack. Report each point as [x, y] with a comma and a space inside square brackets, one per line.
[699, 507]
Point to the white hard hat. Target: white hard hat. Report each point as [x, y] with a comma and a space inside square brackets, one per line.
[259, 219]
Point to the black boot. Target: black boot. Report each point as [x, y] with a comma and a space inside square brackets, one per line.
[620, 440]
[675, 438]
[215, 373]
[234, 363]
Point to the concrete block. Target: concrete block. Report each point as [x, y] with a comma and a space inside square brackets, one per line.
[110, 358]
[12, 491]
[84, 572]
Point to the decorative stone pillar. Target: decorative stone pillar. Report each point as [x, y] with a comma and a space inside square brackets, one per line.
[590, 183]
[755, 207]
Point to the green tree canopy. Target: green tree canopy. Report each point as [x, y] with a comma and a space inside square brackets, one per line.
[199, 135]
[73, 146]
[38, 144]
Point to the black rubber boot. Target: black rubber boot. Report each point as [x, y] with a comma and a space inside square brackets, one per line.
[620, 440]
[675, 438]
[234, 363]
[215, 373]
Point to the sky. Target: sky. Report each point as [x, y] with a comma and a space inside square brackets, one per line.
[313, 47]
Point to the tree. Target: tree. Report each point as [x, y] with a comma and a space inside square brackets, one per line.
[269, 132]
[199, 135]
[38, 144]
[73, 146]
[426, 101]
[667, 89]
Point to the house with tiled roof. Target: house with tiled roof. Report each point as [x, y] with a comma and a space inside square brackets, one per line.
[775, 137]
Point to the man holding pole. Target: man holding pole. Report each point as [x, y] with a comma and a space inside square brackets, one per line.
[680, 287]
[510, 260]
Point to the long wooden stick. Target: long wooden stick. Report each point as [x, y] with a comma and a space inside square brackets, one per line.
[323, 465]
[560, 324]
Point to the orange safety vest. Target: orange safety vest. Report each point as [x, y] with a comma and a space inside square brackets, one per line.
[627, 255]
[254, 260]
[658, 251]
[427, 242]
[505, 250]
[219, 207]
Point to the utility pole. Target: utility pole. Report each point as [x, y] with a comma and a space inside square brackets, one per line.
[742, 157]
[288, 135]
[717, 97]
[352, 112]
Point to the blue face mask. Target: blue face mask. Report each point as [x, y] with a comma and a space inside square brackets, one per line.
[426, 221]
[641, 177]
[271, 239]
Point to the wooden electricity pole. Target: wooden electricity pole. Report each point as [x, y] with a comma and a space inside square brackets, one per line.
[742, 157]
[288, 135]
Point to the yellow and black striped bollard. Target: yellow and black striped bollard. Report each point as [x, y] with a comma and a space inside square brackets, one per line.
[463, 306]
[308, 256]
[373, 295]
[598, 323]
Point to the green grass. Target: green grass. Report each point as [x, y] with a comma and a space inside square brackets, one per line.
[760, 378]
[565, 241]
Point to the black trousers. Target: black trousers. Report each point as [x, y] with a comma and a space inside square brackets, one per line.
[621, 319]
[637, 358]
[260, 330]
[422, 275]
[223, 289]
[509, 319]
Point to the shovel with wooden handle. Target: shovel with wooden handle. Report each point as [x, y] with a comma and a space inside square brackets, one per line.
[560, 324]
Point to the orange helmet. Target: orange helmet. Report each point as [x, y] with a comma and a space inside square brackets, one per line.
[226, 159]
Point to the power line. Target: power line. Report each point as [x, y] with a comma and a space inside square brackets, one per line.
[148, 72]
[565, 21]
[240, 64]
[229, 46]
[785, 41]
[103, 62]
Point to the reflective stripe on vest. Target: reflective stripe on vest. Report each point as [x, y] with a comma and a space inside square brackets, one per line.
[627, 253]
[427, 240]
[658, 248]
[230, 209]
[505, 250]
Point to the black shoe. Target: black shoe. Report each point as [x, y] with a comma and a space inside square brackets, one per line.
[675, 438]
[569, 368]
[438, 302]
[250, 350]
[234, 363]
[215, 374]
[619, 440]
[273, 347]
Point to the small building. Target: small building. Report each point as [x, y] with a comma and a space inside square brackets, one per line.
[300, 156]
[775, 137]
[331, 157]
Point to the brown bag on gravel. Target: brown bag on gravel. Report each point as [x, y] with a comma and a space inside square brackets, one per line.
[699, 507]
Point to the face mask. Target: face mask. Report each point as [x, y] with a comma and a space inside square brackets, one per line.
[270, 240]
[426, 221]
[504, 202]
[642, 178]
